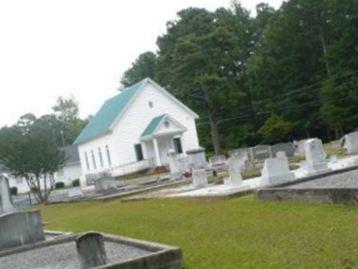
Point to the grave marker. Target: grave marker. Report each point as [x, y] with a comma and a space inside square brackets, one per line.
[276, 170]
[315, 156]
[351, 142]
[199, 178]
[235, 178]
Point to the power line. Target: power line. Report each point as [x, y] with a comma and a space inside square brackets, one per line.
[248, 107]
[246, 116]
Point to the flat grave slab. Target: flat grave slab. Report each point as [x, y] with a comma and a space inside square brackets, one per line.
[339, 186]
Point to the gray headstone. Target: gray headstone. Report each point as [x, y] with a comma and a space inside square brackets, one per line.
[288, 148]
[261, 152]
[199, 178]
[315, 156]
[105, 184]
[217, 162]
[90, 250]
[5, 197]
[351, 142]
[20, 228]
[276, 170]
[197, 158]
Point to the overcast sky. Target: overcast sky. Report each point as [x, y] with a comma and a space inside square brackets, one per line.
[56, 48]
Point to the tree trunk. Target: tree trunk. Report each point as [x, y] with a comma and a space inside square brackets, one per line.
[336, 132]
[215, 134]
[308, 135]
[38, 191]
[329, 134]
[325, 55]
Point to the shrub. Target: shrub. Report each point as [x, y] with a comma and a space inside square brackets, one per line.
[59, 185]
[13, 191]
[275, 129]
[76, 183]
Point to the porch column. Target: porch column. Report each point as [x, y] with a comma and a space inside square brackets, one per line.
[157, 154]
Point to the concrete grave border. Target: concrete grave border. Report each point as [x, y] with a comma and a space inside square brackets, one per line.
[162, 256]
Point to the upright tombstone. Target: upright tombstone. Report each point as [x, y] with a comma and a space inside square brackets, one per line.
[174, 166]
[5, 197]
[282, 155]
[91, 251]
[217, 162]
[200, 179]
[261, 152]
[351, 142]
[315, 157]
[300, 147]
[276, 170]
[197, 158]
[235, 178]
[105, 184]
[288, 148]
[75, 193]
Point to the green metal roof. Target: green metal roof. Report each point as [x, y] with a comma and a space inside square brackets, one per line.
[101, 123]
[152, 125]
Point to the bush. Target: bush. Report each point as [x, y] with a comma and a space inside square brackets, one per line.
[13, 191]
[275, 129]
[76, 183]
[59, 185]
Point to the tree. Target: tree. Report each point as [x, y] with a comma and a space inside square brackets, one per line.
[144, 66]
[29, 149]
[275, 129]
[339, 108]
[200, 61]
[66, 121]
[299, 62]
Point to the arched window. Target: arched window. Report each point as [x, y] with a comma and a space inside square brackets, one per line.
[87, 162]
[108, 156]
[93, 160]
[100, 157]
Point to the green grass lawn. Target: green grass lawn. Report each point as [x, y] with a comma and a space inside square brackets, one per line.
[236, 233]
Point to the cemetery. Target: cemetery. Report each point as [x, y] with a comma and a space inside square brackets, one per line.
[25, 244]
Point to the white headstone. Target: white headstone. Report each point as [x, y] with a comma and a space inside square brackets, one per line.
[5, 197]
[300, 147]
[351, 142]
[173, 164]
[281, 155]
[199, 178]
[315, 156]
[243, 159]
[275, 171]
[235, 178]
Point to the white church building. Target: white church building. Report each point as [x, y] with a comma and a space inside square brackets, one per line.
[134, 130]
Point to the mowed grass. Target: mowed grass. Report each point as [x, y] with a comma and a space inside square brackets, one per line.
[236, 233]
